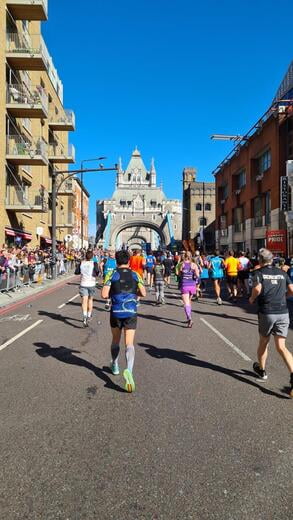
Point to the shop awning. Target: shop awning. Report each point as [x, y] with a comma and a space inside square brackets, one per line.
[17, 233]
[47, 240]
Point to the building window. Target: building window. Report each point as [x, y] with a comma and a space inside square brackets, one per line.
[175, 227]
[238, 219]
[154, 217]
[153, 204]
[268, 208]
[27, 124]
[241, 179]
[257, 212]
[264, 162]
[202, 221]
[223, 192]
[123, 203]
[198, 206]
[123, 217]
[208, 207]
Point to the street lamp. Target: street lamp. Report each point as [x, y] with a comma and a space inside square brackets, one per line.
[55, 190]
[81, 179]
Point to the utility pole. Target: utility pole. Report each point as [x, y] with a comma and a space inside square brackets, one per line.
[55, 190]
[203, 215]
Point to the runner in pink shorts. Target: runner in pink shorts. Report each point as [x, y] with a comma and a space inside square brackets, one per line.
[189, 274]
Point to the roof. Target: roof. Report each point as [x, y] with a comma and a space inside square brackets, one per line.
[285, 90]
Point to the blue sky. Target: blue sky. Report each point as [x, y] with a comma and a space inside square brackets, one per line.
[164, 75]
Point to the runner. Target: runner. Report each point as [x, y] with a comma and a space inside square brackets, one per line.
[137, 263]
[168, 264]
[150, 262]
[108, 267]
[216, 267]
[189, 276]
[243, 273]
[88, 273]
[232, 266]
[158, 273]
[270, 288]
[123, 286]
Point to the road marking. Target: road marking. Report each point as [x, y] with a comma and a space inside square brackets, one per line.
[68, 301]
[2, 347]
[16, 317]
[73, 298]
[229, 343]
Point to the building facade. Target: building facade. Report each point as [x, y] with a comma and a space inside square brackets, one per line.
[34, 127]
[199, 209]
[80, 213]
[138, 214]
[248, 181]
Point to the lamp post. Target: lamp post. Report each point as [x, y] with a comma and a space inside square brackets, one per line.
[71, 173]
[81, 202]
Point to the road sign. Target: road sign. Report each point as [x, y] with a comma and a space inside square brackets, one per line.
[68, 238]
[284, 198]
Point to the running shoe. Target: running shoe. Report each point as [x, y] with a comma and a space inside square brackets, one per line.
[107, 306]
[114, 369]
[129, 381]
[262, 375]
[85, 323]
[219, 301]
[189, 324]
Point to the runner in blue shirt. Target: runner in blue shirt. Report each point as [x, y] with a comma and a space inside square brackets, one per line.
[109, 266]
[150, 262]
[216, 267]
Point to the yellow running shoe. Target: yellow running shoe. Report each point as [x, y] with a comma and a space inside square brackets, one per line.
[129, 381]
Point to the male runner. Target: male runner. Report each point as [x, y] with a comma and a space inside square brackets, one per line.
[216, 267]
[108, 267]
[137, 262]
[123, 286]
[150, 262]
[271, 286]
[88, 272]
[232, 266]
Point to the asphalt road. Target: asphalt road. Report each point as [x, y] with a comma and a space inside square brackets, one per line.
[200, 438]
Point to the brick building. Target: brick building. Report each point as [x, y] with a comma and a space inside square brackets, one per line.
[248, 180]
[34, 128]
[199, 208]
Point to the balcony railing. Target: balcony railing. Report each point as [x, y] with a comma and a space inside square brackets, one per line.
[22, 47]
[28, 98]
[28, 9]
[63, 121]
[61, 153]
[19, 147]
[66, 188]
[18, 199]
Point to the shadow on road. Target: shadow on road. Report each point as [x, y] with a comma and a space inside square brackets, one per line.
[190, 359]
[163, 320]
[67, 355]
[59, 317]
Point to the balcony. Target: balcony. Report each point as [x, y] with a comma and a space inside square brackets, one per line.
[63, 221]
[18, 199]
[59, 153]
[26, 51]
[23, 101]
[21, 151]
[28, 9]
[62, 122]
[66, 188]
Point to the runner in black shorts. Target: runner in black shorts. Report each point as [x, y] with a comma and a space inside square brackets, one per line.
[123, 286]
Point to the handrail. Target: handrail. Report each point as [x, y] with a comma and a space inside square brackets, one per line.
[19, 197]
[19, 93]
[66, 117]
[58, 149]
[19, 145]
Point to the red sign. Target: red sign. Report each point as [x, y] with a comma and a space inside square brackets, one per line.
[276, 241]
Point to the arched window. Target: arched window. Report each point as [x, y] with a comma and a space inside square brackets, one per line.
[198, 206]
[202, 221]
[208, 206]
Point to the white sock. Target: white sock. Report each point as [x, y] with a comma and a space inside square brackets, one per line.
[89, 314]
[129, 354]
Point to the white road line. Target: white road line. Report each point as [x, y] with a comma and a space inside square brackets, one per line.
[73, 298]
[2, 347]
[229, 343]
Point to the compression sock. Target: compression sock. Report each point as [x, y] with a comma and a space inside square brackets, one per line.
[115, 349]
[84, 315]
[89, 314]
[129, 354]
[187, 309]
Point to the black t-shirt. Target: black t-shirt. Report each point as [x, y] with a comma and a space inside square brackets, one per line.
[272, 299]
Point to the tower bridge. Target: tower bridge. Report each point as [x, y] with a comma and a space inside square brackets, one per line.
[139, 212]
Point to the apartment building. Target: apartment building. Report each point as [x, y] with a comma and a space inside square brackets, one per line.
[198, 211]
[34, 125]
[248, 211]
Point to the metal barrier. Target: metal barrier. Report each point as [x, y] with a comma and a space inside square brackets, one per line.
[38, 273]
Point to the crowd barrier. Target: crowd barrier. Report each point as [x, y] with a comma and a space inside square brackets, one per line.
[25, 276]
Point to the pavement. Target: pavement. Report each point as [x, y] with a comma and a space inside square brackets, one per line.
[200, 439]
